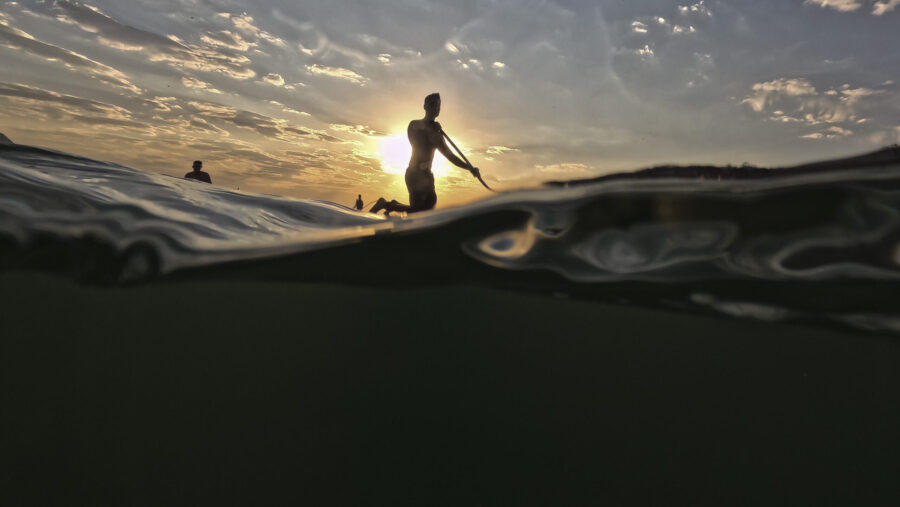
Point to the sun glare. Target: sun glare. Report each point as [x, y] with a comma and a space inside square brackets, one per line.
[394, 152]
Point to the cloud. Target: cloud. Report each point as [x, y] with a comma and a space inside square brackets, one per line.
[93, 20]
[86, 111]
[87, 105]
[189, 56]
[255, 156]
[565, 169]
[852, 95]
[201, 124]
[838, 5]
[806, 104]
[697, 8]
[274, 79]
[227, 39]
[362, 130]
[833, 132]
[879, 7]
[213, 110]
[17, 39]
[191, 82]
[121, 46]
[781, 117]
[476, 64]
[164, 104]
[217, 56]
[884, 6]
[246, 25]
[288, 109]
[767, 92]
[639, 27]
[222, 115]
[499, 150]
[336, 72]
[261, 124]
[645, 51]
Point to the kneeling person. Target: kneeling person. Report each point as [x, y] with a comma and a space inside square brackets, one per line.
[425, 136]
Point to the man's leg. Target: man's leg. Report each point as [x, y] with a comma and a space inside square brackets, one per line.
[389, 206]
[379, 205]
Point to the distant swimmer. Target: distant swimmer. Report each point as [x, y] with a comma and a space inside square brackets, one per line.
[359, 202]
[198, 174]
[425, 136]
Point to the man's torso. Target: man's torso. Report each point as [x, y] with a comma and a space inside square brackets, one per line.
[199, 176]
[424, 137]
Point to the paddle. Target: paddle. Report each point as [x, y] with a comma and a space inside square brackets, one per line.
[463, 156]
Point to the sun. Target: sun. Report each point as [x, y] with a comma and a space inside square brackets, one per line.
[394, 152]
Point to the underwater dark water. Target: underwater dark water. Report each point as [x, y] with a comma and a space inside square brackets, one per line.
[820, 247]
[656, 342]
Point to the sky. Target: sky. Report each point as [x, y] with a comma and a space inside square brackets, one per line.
[311, 99]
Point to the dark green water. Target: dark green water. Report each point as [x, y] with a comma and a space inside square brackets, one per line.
[248, 393]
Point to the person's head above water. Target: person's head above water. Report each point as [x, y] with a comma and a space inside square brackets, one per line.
[433, 105]
[198, 165]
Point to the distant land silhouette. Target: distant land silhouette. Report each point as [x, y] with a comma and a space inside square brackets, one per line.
[885, 156]
[5, 140]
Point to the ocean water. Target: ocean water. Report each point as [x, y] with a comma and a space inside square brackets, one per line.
[630, 342]
[820, 248]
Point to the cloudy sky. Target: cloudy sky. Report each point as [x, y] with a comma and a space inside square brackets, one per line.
[303, 98]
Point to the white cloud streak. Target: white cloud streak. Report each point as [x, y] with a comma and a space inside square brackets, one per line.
[884, 6]
[336, 72]
[838, 5]
[22, 41]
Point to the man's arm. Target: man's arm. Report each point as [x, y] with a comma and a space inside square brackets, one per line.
[447, 152]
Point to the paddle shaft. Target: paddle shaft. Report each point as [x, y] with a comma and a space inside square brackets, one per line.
[463, 155]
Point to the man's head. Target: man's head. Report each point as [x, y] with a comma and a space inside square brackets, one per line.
[433, 105]
[198, 165]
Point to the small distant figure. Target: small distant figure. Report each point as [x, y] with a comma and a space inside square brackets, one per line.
[198, 174]
[359, 202]
[425, 136]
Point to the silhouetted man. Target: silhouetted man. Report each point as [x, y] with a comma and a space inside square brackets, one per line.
[359, 202]
[425, 136]
[198, 174]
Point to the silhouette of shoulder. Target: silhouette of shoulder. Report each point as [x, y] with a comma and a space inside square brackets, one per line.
[428, 126]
